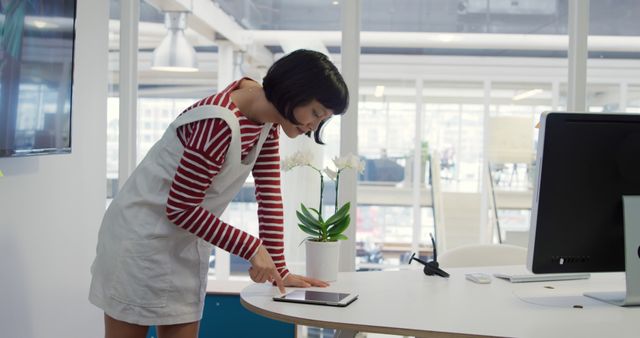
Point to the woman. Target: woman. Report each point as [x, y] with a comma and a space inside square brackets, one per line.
[156, 236]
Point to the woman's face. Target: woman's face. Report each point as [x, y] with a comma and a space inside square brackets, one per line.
[309, 116]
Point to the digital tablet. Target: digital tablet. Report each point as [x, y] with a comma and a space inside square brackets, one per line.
[317, 297]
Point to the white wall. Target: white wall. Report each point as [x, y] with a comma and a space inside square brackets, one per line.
[51, 207]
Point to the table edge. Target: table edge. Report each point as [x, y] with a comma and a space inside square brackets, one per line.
[352, 327]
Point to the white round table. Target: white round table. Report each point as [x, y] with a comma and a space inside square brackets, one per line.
[407, 302]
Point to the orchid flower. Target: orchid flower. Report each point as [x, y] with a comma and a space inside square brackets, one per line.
[330, 229]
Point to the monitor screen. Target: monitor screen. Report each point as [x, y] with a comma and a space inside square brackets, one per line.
[36, 73]
[586, 163]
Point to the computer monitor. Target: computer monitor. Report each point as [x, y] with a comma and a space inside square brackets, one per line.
[587, 165]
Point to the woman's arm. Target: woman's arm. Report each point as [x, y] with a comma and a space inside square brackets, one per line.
[205, 146]
[266, 173]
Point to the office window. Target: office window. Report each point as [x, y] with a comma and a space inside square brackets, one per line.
[384, 235]
[153, 119]
[613, 92]
[603, 98]
[386, 112]
[454, 102]
[456, 134]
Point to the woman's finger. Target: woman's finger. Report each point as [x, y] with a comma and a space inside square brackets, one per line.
[262, 277]
[304, 284]
[253, 274]
[315, 282]
[278, 280]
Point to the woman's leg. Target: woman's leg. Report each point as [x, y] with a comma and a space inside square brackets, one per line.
[114, 328]
[186, 330]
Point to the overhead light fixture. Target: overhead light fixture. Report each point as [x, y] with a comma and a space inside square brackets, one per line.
[335, 3]
[379, 91]
[175, 53]
[41, 23]
[527, 94]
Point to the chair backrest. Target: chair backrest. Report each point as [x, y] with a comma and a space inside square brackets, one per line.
[456, 214]
[461, 213]
[483, 255]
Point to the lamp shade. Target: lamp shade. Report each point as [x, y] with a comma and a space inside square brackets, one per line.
[175, 53]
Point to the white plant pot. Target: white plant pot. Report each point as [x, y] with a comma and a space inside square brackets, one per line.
[322, 260]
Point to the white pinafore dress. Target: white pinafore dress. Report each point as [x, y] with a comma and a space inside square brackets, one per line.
[147, 270]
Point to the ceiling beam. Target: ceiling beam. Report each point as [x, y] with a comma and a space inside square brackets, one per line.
[210, 21]
[449, 40]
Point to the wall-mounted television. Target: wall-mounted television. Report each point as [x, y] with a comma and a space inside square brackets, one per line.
[36, 76]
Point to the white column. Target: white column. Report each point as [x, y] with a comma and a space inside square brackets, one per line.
[225, 77]
[486, 235]
[555, 96]
[578, 33]
[127, 146]
[349, 123]
[418, 175]
[225, 64]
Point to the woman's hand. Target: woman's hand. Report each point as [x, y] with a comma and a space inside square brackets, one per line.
[303, 281]
[264, 270]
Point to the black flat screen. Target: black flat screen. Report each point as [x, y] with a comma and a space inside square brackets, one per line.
[36, 76]
[589, 162]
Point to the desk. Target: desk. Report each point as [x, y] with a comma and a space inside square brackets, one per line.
[407, 302]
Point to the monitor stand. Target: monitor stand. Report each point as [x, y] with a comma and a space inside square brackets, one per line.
[631, 206]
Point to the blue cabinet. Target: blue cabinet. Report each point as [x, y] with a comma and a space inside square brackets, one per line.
[224, 317]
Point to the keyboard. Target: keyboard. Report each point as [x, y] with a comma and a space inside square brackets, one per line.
[544, 277]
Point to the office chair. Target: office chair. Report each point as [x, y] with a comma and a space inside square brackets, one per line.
[483, 255]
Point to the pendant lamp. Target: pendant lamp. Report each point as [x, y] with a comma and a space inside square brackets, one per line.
[175, 53]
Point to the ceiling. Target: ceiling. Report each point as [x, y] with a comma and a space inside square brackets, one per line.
[608, 17]
[447, 31]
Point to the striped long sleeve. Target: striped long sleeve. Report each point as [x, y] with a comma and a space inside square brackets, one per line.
[204, 153]
[266, 173]
[206, 143]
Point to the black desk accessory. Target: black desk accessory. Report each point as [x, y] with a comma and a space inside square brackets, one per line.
[432, 267]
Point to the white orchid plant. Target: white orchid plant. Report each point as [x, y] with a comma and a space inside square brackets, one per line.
[311, 220]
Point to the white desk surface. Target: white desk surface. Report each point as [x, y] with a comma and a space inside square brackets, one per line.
[407, 302]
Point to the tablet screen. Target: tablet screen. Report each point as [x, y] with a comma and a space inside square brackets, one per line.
[318, 296]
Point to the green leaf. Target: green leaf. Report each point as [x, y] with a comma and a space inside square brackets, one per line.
[308, 230]
[340, 227]
[340, 214]
[337, 222]
[317, 213]
[306, 212]
[322, 227]
[306, 219]
[311, 224]
[337, 237]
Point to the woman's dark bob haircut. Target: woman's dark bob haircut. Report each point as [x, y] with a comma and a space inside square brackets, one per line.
[300, 77]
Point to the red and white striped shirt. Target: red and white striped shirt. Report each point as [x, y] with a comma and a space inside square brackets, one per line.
[205, 146]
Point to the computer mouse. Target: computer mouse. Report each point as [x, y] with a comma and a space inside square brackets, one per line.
[478, 277]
